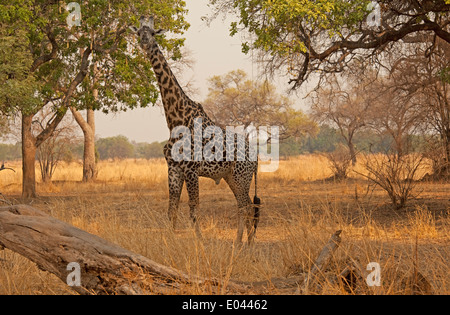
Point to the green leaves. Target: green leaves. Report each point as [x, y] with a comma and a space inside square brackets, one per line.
[301, 37]
[444, 74]
[15, 10]
[39, 35]
[17, 85]
[276, 24]
[283, 10]
[286, 30]
[124, 78]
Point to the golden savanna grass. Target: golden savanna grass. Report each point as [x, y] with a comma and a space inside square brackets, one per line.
[127, 205]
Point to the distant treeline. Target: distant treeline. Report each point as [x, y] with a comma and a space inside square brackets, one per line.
[9, 152]
[328, 138]
[120, 147]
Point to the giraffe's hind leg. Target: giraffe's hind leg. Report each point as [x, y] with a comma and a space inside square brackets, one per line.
[176, 181]
[240, 186]
[192, 186]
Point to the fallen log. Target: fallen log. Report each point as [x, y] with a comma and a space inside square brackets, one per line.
[103, 267]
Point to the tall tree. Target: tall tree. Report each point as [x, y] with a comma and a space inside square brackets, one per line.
[120, 78]
[32, 30]
[88, 127]
[398, 114]
[419, 73]
[305, 37]
[344, 105]
[235, 100]
[62, 57]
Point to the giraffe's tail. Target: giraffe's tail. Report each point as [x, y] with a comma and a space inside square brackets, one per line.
[256, 202]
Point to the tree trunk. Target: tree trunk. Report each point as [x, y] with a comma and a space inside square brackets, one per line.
[89, 163]
[443, 170]
[352, 151]
[28, 158]
[30, 143]
[447, 146]
[88, 128]
[399, 145]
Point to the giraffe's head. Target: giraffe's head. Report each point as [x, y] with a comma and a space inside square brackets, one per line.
[146, 31]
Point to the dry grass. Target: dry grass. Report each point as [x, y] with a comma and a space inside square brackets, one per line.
[127, 205]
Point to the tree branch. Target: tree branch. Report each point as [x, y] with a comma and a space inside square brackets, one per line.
[46, 58]
[48, 131]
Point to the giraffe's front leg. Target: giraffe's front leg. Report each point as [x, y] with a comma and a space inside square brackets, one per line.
[193, 192]
[176, 181]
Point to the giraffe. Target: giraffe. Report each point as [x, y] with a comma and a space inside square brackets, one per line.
[180, 110]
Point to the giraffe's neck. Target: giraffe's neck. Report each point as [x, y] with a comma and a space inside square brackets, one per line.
[175, 101]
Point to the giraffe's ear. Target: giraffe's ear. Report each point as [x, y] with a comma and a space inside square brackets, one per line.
[133, 28]
[160, 32]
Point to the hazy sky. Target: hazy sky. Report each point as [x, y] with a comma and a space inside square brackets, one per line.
[214, 53]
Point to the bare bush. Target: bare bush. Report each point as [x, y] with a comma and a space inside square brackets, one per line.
[340, 161]
[396, 174]
[56, 147]
[435, 152]
[51, 152]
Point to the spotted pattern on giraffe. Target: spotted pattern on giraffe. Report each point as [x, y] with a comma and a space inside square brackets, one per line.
[180, 110]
